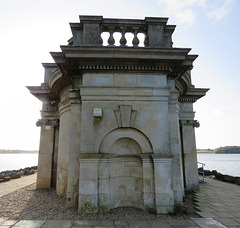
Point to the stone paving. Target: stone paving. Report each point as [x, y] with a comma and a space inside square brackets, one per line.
[218, 204]
[196, 222]
[221, 201]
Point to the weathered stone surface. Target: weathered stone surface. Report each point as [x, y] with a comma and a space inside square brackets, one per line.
[141, 148]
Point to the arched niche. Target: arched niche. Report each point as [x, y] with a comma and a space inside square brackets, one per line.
[128, 138]
[121, 170]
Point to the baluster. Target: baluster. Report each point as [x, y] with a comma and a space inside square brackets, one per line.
[101, 39]
[123, 40]
[146, 40]
[111, 39]
[135, 40]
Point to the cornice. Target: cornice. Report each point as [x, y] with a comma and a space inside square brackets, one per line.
[192, 95]
[118, 52]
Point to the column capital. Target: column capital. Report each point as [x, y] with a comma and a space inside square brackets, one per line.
[193, 123]
[47, 122]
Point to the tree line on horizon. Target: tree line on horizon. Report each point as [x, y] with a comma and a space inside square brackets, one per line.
[4, 151]
[222, 150]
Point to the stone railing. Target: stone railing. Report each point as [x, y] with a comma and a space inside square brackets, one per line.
[88, 32]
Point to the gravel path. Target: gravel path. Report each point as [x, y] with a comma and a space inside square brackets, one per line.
[29, 203]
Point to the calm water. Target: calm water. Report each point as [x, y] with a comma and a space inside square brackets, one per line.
[17, 161]
[223, 163]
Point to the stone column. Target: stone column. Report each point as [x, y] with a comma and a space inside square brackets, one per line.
[175, 146]
[88, 183]
[64, 143]
[148, 182]
[164, 197]
[44, 173]
[73, 168]
[189, 146]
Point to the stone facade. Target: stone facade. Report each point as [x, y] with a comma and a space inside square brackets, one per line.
[117, 126]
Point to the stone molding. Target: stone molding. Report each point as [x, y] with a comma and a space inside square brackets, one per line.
[95, 93]
[187, 99]
[74, 95]
[141, 68]
[162, 158]
[131, 133]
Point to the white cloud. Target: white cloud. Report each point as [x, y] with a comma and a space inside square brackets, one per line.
[183, 11]
[222, 11]
[174, 6]
[180, 9]
[224, 111]
[220, 112]
[237, 107]
[186, 17]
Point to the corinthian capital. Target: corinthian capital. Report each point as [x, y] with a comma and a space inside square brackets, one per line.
[47, 122]
[193, 123]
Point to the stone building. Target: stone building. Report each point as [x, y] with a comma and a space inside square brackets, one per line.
[117, 122]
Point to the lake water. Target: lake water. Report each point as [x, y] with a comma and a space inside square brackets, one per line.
[224, 163]
[17, 161]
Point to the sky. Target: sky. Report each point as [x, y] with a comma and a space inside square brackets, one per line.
[30, 29]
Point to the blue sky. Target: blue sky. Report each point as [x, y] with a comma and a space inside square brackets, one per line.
[30, 29]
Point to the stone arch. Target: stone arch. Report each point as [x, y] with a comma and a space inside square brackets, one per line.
[121, 170]
[123, 134]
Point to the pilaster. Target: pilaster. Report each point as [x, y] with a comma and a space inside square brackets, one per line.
[44, 174]
[75, 127]
[88, 183]
[175, 145]
[187, 124]
[64, 143]
[164, 197]
[148, 182]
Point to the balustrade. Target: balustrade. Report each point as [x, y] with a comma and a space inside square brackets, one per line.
[92, 30]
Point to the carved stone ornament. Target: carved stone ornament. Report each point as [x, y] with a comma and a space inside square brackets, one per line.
[47, 122]
[125, 116]
[193, 123]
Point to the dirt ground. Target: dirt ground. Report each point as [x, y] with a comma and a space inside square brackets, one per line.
[30, 203]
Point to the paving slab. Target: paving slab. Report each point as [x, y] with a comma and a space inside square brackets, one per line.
[157, 224]
[93, 223]
[121, 224]
[183, 223]
[7, 222]
[228, 222]
[57, 224]
[29, 224]
[138, 224]
[207, 223]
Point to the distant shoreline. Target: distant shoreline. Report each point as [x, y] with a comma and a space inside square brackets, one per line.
[212, 152]
[18, 152]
